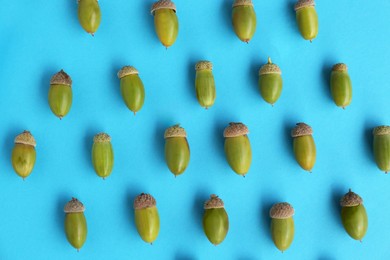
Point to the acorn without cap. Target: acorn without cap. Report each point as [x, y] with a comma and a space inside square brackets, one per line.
[147, 219]
[382, 147]
[215, 220]
[270, 82]
[102, 155]
[24, 154]
[165, 21]
[75, 223]
[177, 150]
[204, 84]
[304, 146]
[282, 225]
[89, 15]
[132, 88]
[307, 19]
[60, 94]
[244, 19]
[340, 85]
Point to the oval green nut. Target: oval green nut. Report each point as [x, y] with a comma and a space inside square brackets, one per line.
[354, 215]
[304, 146]
[24, 154]
[244, 19]
[60, 94]
[102, 155]
[204, 84]
[382, 147]
[147, 219]
[307, 19]
[282, 225]
[238, 148]
[270, 82]
[177, 150]
[166, 23]
[132, 88]
[89, 15]
[340, 85]
[215, 220]
[75, 223]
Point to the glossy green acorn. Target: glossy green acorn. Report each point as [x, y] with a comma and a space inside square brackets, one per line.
[89, 15]
[215, 220]
[177, 150]
[244, 19]
[270, 82]
[282, 225]
[382, 147]
[132, 88]
[307, 19]
[75, 223]
[102, 155]
[354, 215]
[60, 94]
[238, 148]
[147, 219]
[24, 154]
[166, 23]
[304, 146]
[340, 85]
[204, 84]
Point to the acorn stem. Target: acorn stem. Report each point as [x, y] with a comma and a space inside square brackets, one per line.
[269, 60]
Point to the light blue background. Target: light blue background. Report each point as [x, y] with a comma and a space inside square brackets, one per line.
[38, 38]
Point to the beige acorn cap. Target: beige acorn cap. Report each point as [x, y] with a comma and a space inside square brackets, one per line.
[340, 67]
[381, 130]
[301, 129]
[74, 206]
[213, 203]
[102, 138]
[61, 78]
[242, 2]
[204, 65]
[127, 70]
[143, 201]
[235, 129]
[281, 211]
[351, 199]
[163, 4]
[270, 68]
[25, 138]
[303, 3]
[175, 131]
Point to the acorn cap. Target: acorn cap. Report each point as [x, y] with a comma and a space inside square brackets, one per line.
[74, 206]
[175, 131]
[127, 70]
[61, 78]
[167, 4]
[213, 203]
[281, 211]
[102, 138]
[242, 2]
[235, 129]
[340, 67]
[303, 3]
[143, 201]
[270, 68]
[25, 138]
[351, 199]
[204, 65]
[381, 130]
[301, 129]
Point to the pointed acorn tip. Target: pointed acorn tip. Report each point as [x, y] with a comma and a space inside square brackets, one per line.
[92, 34]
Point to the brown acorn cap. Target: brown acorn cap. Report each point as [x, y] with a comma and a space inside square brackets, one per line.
[213, 203]
[351, 199]
[61, 78]
[281, 211]
[381, 130]
[204, 65]
[102, 138]
[235, 129]
[242, 2]
[127, 70]
[301, 129]
[303, 3]
[340, 67]
[74, 206]
[168, 4]
[25, 138]
[270, 68]
[143, 201]
[175, 131]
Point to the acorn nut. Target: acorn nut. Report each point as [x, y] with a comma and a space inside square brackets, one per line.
[382, 147]
[244, 19]
[147, 219]
[75, 223]
[307, 19]
[304, 146]
[177, 150]
[282, 225]
[215, 220]
[204, 84]
[166, 23]
[60, 94]
[102, 155]
[270, 82]
[89, 15]
[132, 88]
[340, 85]
[24, 154]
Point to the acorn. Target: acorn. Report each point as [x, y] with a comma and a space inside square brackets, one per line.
[238, 148]
[215, 220]
[282, 225]
[340, 85]
[102, 155]
[147, 219]
[270, 82]
[382, 147]
[166, 23]
[204, 84]
[24, 154]
[89, 15]
[75, 223]
[132, 88]
[244, 19]
[354, 215]
[60, 94]
[177, 150]
[304, 146]
[307, 19]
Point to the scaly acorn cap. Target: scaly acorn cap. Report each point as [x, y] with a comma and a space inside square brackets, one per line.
[61, 78]
[213, 203]
[242, 2]
[303, 3]
[143, 201]
[74, 206]
[175, 131]
[204, 65]
[270, 68]
[301, 129]
[381, 130]
[281, 211]
[167, 4]
[127, 70]
[340, 67]
[102, 138]
[235, 129]
[25, 138]
[351, 199]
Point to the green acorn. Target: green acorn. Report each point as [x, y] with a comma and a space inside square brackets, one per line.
[60, 94]
[282, 225]
[382, 147]
[307, 19]
[132, 88]
[102, 155]
[244, 19]
[24, 154]
[270, 82]
[147, 219]
[340, 85]
[89, 15]
[165, 21]
[204, 84]
[75, 223]
[177, 150]
[304, 146]
[215, 220]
